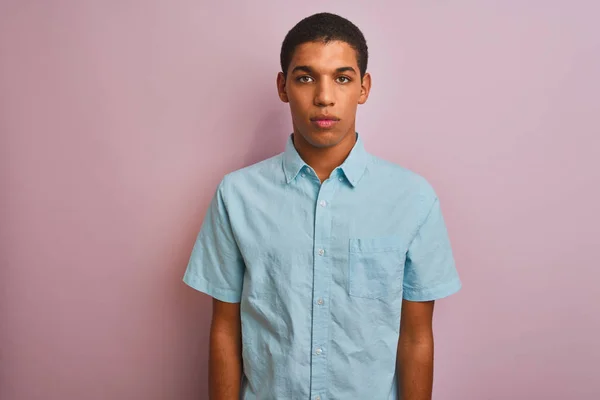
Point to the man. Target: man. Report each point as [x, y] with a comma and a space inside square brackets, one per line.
[314, 256]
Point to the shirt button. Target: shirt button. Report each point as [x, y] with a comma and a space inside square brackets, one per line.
[320, 302]
[318, 398]
[341, 179]
[318, 351]
[303, 175]
[323, 203]
[321, 252]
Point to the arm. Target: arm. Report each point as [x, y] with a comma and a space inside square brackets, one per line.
[415, 351]
[225, 355]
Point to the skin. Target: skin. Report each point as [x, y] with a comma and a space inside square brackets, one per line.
[225, 352]
[323, 79]
[415, 351]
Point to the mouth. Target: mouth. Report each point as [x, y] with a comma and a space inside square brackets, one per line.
[324, 122]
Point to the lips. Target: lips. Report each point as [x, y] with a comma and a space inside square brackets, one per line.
[325, 122]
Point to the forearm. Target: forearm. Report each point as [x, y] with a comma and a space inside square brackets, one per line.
[225, 365]
[415, 368]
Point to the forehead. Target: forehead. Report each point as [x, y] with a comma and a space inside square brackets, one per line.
[319, 55]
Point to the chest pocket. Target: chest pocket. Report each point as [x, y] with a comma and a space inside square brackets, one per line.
[375, 267]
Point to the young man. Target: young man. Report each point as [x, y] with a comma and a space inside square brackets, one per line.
[314, 256]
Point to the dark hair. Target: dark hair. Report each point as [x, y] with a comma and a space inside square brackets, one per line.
[324, 27]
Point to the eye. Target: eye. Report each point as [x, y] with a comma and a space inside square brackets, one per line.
[343, 79]
[304, 79]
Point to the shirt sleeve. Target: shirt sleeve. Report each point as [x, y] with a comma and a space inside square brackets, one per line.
[216, 266]
[430, 272]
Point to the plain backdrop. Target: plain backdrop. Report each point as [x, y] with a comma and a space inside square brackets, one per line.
[119, 118]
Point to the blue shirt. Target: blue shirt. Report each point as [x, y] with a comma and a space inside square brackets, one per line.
[320, 271]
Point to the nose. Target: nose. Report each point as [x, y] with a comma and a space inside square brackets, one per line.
[324, 96]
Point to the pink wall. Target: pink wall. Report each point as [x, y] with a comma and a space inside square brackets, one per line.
[118, 118]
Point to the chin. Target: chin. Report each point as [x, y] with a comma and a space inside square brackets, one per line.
[323, 139]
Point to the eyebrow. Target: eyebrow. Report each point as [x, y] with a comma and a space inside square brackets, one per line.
[309, 70]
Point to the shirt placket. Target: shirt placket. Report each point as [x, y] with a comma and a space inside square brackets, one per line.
[321, 282]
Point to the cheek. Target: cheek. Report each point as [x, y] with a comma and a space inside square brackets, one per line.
[299, 107]
[348, 96]
[350, 105]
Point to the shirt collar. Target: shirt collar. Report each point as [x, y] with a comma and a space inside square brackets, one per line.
[353, 167]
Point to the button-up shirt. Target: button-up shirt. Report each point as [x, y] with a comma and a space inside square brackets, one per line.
[320, 270]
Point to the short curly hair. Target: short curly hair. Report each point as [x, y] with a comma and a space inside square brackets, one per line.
[324, 27]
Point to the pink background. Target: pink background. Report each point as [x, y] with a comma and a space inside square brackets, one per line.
[118, 119]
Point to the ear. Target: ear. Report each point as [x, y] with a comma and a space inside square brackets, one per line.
[281, 88]
[365, 88]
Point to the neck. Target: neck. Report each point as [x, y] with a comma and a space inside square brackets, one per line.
[323, 160]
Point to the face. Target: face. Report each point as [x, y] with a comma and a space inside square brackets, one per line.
[324, 88]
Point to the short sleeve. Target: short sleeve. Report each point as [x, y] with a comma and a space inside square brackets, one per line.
[216, 266]
[430, 272]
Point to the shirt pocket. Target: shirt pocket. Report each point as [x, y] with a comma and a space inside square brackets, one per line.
[375, 267]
